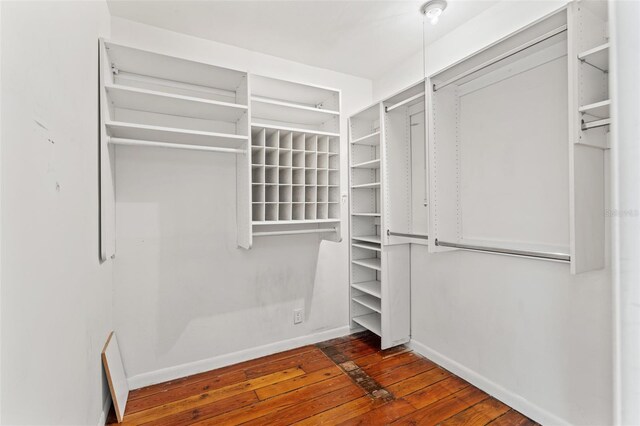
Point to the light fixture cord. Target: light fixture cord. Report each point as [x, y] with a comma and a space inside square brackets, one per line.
[424, 52]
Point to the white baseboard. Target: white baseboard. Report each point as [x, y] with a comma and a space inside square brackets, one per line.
[183, 370]
[105, 411]
[513, 400]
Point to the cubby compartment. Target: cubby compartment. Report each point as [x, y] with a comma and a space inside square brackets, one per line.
[310, 160]
[298, 176]
[284, 176]
[322, 211]
[310, 194]
[310, 178]
[257, 174]
[310, 211]
[271, 212]
[271, 193]
[271, 174]
[258, 212]
[298, 194]
[298, 211]
[284, 157]
[298, 159]
[271, 157]
[322, 194]
[257, 193]
[322, 177]
[284, 193]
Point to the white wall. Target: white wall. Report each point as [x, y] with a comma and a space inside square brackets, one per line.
[625, 212]
[56, 296]
[525, 330]
[486, 28]
[185, 297]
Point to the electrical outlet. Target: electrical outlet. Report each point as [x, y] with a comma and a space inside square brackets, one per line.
[298, 315]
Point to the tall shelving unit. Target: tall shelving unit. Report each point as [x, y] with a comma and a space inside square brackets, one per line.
[380, 274]
[366, 219]
[295, 158]
[590, 119]
[152, 100]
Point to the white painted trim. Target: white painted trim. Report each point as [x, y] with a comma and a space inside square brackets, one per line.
[183, 370]
[105, 411]
[513, 400]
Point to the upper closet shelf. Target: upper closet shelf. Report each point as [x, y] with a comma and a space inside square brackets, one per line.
[598, 57]
[172, 104]
[371, 140]
[175, 136]
[130, 60]
[269, 109]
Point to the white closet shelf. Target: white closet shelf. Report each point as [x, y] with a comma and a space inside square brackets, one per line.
[171, 104]
[373, 164]
[292, 129]
[158, 65]
[366, 246]
[372, 263]
[372, 139]
[371, 322]
[271, 109]
[373, 288]
[173, 135]
[597, 109]
[373, 214]
[369, 301]
[368, 238]
[294, 222]
[372, 185]
[598, 56]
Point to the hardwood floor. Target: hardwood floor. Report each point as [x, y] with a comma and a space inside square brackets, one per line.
[345, 381]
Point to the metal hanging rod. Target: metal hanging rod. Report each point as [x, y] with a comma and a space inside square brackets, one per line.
[406, 101]
[400, 234]
[524, 253]
[596, 123]
[155, 144]
[502, 57]
[294, 232]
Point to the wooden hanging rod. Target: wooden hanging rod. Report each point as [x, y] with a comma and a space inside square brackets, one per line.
[155, 144]
[524, 253]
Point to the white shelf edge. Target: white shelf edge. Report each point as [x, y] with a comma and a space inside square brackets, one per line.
[592, 51]
[293, 222]
[372, 185]
[175, 96]
[365, 164]
[360, 141]
[371, 263]
[293, 129]
[366, 214]
[371, 322]
[595, 105]
[373, 288]
[366, 301]
[366, 247]
[186, 132]
[375, 239]
[292, 105]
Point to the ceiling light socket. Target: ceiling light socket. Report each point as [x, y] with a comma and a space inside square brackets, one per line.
[433, 9]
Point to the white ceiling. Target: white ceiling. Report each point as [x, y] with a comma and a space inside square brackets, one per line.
[362, 38]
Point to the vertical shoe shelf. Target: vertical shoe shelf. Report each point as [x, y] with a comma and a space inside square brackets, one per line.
[372, 293]
[295, 158]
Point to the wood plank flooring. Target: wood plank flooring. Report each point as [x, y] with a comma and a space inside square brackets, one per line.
[345, 381]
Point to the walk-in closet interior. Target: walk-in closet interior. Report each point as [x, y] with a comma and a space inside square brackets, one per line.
[319, 212]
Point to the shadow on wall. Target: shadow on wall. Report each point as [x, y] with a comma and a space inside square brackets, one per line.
[177, 239]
